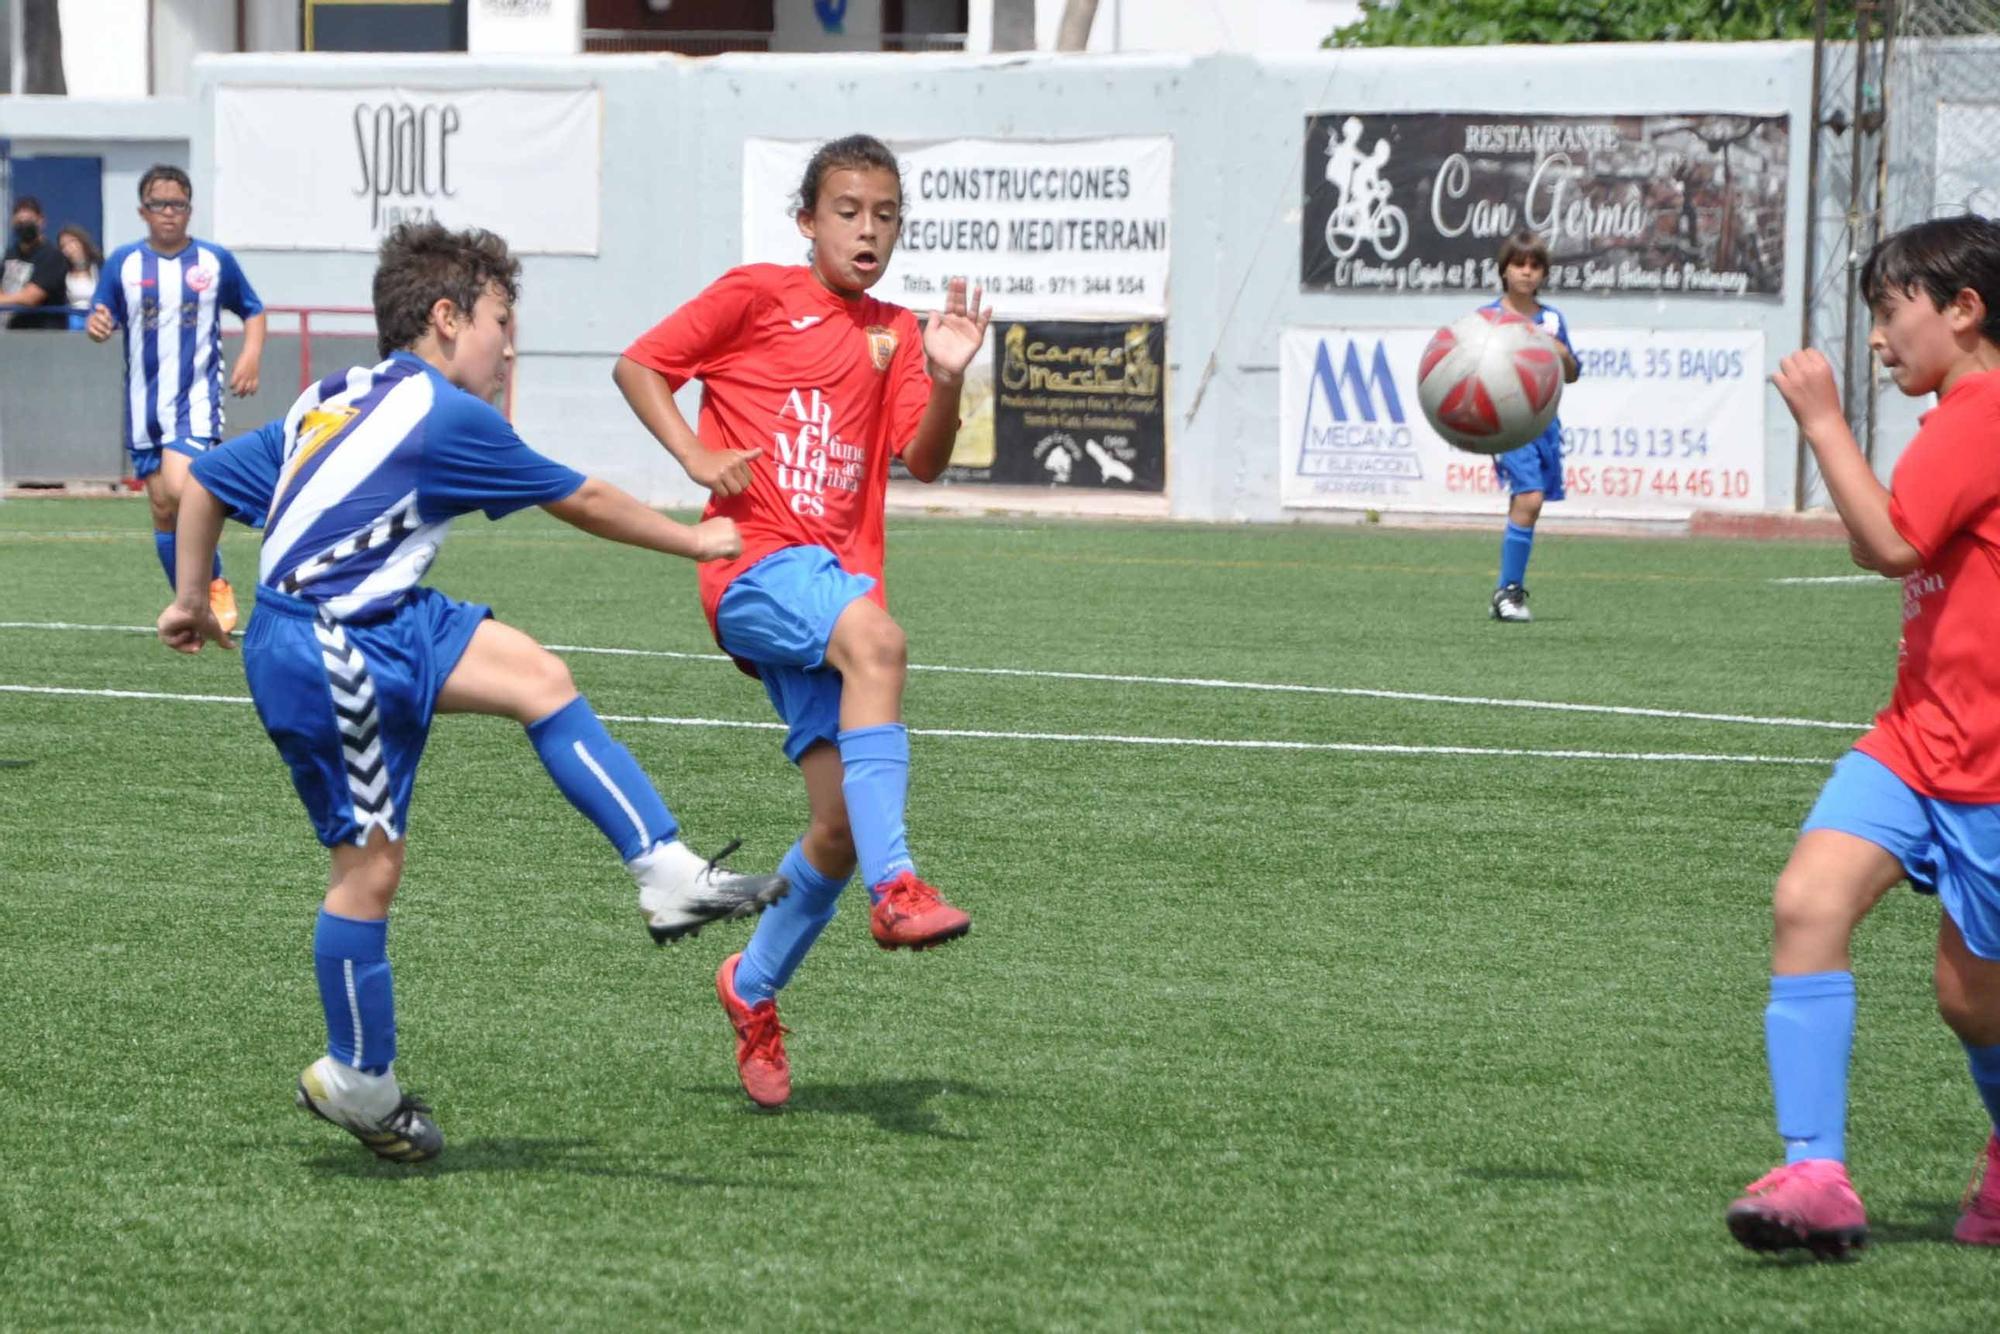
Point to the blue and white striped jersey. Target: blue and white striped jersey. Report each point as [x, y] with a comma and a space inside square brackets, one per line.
[171, 308]
[357, 485]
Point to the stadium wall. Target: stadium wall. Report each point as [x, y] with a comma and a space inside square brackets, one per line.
[671, 203]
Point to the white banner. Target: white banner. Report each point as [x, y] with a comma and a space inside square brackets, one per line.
[1663, 422]
[1072, 229]
[336, 168]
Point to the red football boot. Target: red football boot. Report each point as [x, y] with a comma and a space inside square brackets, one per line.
[1809, 1204]
[908, 914]
[1979, 1225]
[760, 1041]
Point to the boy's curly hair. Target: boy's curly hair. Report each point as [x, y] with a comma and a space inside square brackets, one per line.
[423, 262]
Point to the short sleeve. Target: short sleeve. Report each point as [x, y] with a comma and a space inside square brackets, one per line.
[52, 276]
[1561, 331]
[909, 386]
[110, 287]
[243, 473]
[238, 296]
[702, 331]
[474, 461]
[1941, 486]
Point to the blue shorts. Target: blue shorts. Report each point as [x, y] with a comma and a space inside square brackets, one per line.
[349, 704]
[1535, 466]
[778, 616]
[146, 461]
[1947, 848]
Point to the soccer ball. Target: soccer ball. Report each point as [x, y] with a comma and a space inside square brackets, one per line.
[1490, 382]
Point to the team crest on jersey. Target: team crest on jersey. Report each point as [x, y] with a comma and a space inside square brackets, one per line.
[881, 345]
[321, 425]
[200, 278]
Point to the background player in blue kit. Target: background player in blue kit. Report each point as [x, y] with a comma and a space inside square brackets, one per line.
[1532, 473]
[168, 292]
[348, 656]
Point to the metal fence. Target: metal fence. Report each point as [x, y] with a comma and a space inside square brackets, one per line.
[1907, 110]
[62, 397]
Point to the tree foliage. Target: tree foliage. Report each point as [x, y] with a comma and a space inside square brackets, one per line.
[1489, 22]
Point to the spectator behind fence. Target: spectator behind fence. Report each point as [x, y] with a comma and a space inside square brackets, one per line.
[32, 273]
[83, 262]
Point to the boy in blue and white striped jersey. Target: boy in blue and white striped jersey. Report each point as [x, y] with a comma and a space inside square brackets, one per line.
[349, 656]
[168, 293]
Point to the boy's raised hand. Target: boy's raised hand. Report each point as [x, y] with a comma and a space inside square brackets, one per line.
[1805, 381]
[952, 336]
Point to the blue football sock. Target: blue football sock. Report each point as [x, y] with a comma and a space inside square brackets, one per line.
[351, 960]
[163, 547]
[876, 784]
[601, 778]
[167, 550]
[787, 928]
[1516, 545]
[1985, 1063]
[1808, 1034]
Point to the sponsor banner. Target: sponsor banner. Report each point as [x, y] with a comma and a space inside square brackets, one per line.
[1069, 228]
[1680, 205]
[1074, 405]
[1662, 422]
[336, 168]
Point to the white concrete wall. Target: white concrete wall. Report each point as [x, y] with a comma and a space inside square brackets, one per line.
[104, 47]
[129, 135]
[672, 164]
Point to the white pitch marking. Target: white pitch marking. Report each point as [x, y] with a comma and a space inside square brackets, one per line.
[1205, 743]
[1191, 682]
[1835, 579]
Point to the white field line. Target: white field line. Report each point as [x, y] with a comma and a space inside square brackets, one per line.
[1186, 682]
[1202, 743]
[1835, 579]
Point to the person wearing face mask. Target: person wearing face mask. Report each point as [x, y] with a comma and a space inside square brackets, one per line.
[33, 272]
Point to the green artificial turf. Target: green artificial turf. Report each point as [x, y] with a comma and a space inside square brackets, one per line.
[1418, 1038]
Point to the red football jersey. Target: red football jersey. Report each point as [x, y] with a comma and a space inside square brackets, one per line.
[1941, 730]
[830, 388]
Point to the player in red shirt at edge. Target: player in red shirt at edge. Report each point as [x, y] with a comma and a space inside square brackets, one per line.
[809, 387]
[1918, 797]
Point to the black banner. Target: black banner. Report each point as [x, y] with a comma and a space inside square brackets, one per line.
[1686, 205]
[1080, 405]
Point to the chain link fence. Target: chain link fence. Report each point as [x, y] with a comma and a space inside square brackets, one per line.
[1908, 112]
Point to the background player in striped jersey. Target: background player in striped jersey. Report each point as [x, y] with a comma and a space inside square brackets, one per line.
[168, 292]
[809, 387]
[348, 656]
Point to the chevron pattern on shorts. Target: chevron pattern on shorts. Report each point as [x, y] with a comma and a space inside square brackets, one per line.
[386, 531]
[360, 728]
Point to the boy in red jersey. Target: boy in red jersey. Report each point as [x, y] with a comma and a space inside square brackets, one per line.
[1918, 797]
[809, 388]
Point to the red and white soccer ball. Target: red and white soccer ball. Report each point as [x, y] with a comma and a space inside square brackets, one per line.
[1490, 382]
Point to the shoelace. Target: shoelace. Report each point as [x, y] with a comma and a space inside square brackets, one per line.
[909, 896]
[1770, 1180]
[715, 862]
[763, 1035]
[406, 1111]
